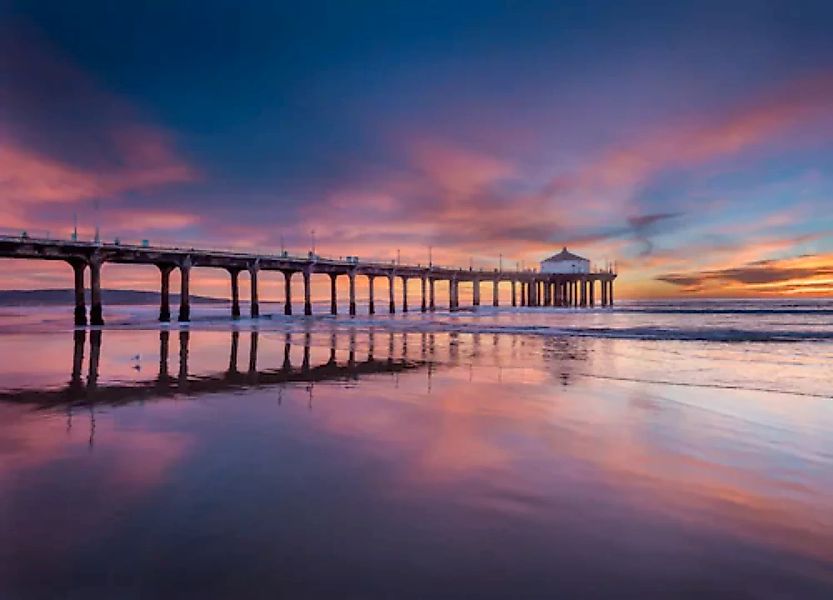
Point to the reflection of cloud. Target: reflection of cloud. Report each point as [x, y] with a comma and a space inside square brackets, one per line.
[131, 464]
[523, 439]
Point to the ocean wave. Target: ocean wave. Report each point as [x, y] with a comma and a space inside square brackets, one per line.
[654, 333]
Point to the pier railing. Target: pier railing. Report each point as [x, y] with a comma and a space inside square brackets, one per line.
[528, 287]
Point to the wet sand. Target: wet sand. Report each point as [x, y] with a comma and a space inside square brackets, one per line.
[362, 462]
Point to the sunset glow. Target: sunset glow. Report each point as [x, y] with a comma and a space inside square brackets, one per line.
[699, 176]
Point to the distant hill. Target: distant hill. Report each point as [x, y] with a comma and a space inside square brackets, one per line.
[66, 297]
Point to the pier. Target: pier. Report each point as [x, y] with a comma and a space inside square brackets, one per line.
[528, 287]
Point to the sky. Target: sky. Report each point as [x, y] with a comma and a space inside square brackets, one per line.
[689, 142]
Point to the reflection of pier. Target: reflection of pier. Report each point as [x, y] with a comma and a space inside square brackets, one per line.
[80, 390]
[352, 355]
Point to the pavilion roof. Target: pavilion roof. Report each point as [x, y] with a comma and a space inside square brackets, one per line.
[563, 256]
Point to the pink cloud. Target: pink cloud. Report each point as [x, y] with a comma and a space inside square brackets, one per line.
[458, 170]
[467, 202]
[85, 143]
[609, 180]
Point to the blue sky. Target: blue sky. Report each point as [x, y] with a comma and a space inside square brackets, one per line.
[684, 140]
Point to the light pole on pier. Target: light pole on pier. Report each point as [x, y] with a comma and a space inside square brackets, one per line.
[97, 228]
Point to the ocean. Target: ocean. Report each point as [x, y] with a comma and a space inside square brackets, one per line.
[658, 449]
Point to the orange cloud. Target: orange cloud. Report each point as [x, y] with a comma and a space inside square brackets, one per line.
[802, 275]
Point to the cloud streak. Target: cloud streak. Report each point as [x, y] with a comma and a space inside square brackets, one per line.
[64, 139]
[809, 273]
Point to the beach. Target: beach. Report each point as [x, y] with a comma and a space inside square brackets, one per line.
[649, 451]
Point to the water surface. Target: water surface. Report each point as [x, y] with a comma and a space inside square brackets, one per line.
[475, 455]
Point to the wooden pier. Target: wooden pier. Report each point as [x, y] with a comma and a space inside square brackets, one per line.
[528, 288]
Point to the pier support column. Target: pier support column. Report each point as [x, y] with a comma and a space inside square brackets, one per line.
[255, 307]
[287, 289]
[80, 302]
[423, 304]
[235, 293]
[184, 290]
[96, 314]
[371, 303]
[475, 294]
[307, 292]
[495, 299]
[610, 299]
[523, 294]
[514, 299]
[592, 284]
[404, 294]
[455, 293]
[547, 293]
[583, 292]
[603, 292]
[391, 299]
[333, 298]
[351, 277]
[165, 292]
[432, 296]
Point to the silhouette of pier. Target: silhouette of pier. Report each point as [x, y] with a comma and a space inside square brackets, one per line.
[528, 288]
